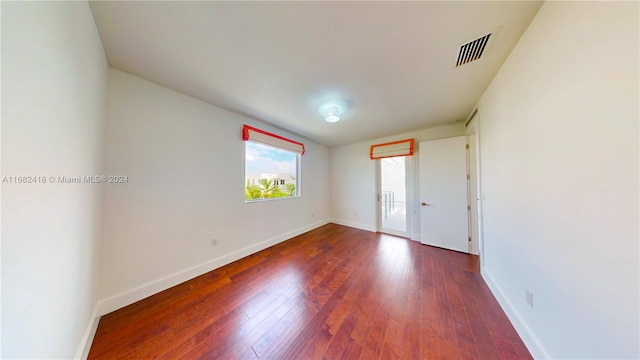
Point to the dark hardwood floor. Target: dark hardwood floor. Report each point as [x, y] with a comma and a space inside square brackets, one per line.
[332, 293]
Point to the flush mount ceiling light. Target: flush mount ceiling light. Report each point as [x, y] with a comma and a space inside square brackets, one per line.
[332, 111]
[332, 114]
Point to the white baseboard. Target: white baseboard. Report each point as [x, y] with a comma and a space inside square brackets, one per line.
[113, 303]
[530, 340]
[90, 332]
[415, 236]
[354, 225]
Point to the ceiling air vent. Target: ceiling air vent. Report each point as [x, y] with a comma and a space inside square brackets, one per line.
[472, 50]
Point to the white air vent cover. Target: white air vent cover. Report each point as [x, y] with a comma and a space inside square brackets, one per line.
[473, 50]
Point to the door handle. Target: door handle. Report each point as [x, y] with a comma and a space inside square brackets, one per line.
[425, 204]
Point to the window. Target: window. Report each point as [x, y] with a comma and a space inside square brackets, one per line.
[272, 165]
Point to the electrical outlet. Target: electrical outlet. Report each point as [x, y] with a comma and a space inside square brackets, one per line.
[214, 242]
[313, 215]
[529, 295]
[355, 213]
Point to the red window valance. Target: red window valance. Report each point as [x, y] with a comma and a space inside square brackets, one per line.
[265, 137]
[391, 149]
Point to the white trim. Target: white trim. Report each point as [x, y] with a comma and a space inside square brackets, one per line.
[530, 340]
[89, 334]
[472, 191]
[475, 118]
[354, 225]
[129, 297]
[378, 194]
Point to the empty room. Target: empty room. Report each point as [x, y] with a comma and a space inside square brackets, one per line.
[320, 180]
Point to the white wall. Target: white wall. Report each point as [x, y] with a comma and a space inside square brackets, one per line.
[54, 80]
[559, 157]
[353, 179]
[185, 163]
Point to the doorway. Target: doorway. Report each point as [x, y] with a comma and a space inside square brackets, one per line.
[392, 196]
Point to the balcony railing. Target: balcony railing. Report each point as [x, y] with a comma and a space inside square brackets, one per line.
[388, 203]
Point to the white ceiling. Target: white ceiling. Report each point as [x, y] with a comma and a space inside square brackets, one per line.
[392, 62]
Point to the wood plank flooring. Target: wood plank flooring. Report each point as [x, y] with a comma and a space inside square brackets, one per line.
[332, 293]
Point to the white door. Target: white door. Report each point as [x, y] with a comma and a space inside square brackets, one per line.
[443, 194]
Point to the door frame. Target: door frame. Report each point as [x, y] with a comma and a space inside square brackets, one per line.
[472, 192]
[409, 201]
[472, 127]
